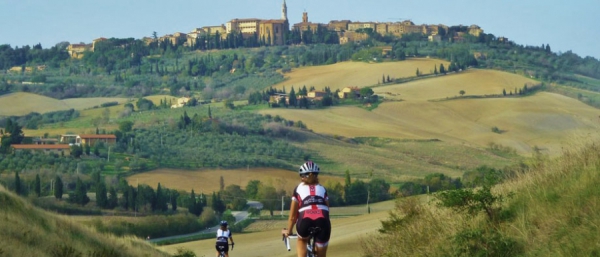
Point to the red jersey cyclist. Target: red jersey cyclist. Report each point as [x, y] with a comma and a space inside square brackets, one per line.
[310, 208]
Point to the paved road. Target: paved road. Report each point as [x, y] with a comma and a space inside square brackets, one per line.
[239, 216]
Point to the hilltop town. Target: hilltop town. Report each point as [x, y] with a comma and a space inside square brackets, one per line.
[279, 32]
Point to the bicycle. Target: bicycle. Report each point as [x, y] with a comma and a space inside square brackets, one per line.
[222, 253]
[311, 250]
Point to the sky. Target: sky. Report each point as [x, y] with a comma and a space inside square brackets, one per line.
[567, 25]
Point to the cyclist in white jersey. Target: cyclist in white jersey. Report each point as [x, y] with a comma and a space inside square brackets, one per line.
[310, 208]
[223, 234]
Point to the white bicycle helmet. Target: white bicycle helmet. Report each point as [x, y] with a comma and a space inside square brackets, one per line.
[309, 167]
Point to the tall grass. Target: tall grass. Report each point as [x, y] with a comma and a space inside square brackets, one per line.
[553, 211]
[28, 231]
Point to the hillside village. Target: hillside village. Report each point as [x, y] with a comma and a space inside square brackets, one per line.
[277, 31]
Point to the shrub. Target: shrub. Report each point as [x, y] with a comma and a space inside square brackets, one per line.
[64, 251]
[108, 104]
[184, 253]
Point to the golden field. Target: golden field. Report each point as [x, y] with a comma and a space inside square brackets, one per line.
[544, 121]
[22, 103]
[208, 181]
[360, 74]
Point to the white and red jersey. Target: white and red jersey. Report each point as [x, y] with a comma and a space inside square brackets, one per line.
[311, 197]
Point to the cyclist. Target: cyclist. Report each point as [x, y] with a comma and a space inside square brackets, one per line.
[223, 234]
[310, 208]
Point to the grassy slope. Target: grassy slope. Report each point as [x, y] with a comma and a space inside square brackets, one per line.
[208, 180]
[360, 74]
[28, 231]
[543, 120]
[554, 212]
[22, 103]
[557, 204]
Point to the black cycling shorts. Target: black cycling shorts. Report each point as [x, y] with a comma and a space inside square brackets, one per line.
[303, 225]
[222, 247]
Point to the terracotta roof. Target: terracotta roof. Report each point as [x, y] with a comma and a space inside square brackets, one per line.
[41, 147]
[94, 136]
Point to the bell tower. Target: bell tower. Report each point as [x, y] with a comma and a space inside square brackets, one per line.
[284, 11]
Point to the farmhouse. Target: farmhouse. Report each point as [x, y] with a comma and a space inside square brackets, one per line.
[45, 141]
[93, 139]
[87, 139]
[62, 148]
[181, 102]
[316, 94]
[349, 92]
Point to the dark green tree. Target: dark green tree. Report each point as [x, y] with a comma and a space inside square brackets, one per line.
[58, 188]
[79, 196]
[442, 69]
[267, 195]
[161, 199]
[76, 151]
[357, 193]
[18, 189]
[293, 100]
[125, 126]
[252, 189]
[235, 197]
[366, 92]
[38, 185]
[173, 194]
[112, 198]
[101, 197]
[217, 203]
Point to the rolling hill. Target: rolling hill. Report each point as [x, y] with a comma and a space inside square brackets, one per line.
[28, 231]
[542, 121]
[22, 103]
[360, 74]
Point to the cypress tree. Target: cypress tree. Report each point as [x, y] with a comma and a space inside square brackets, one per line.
[112, 198]
[17, 183]
[38, 185]
[101, 198]
[58, 188]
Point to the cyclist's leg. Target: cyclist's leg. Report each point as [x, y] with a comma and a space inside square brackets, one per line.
[322, 251]
[322, 238]
[302, 228]
[301, 247]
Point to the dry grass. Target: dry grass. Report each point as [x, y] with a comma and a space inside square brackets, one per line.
[553, 212]
[208, 181]
[543, 120]
[399, 160]
[360, 74]
[85, 103]
[473, 82]
[28, 231]
[22, 103]
[557, 203]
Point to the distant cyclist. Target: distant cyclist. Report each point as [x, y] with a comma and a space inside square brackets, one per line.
[223, 235]
[310, 208]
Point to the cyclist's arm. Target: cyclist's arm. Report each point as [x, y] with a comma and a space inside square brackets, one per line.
[293, 216]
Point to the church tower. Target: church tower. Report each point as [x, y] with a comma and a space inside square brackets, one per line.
[284, 11]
